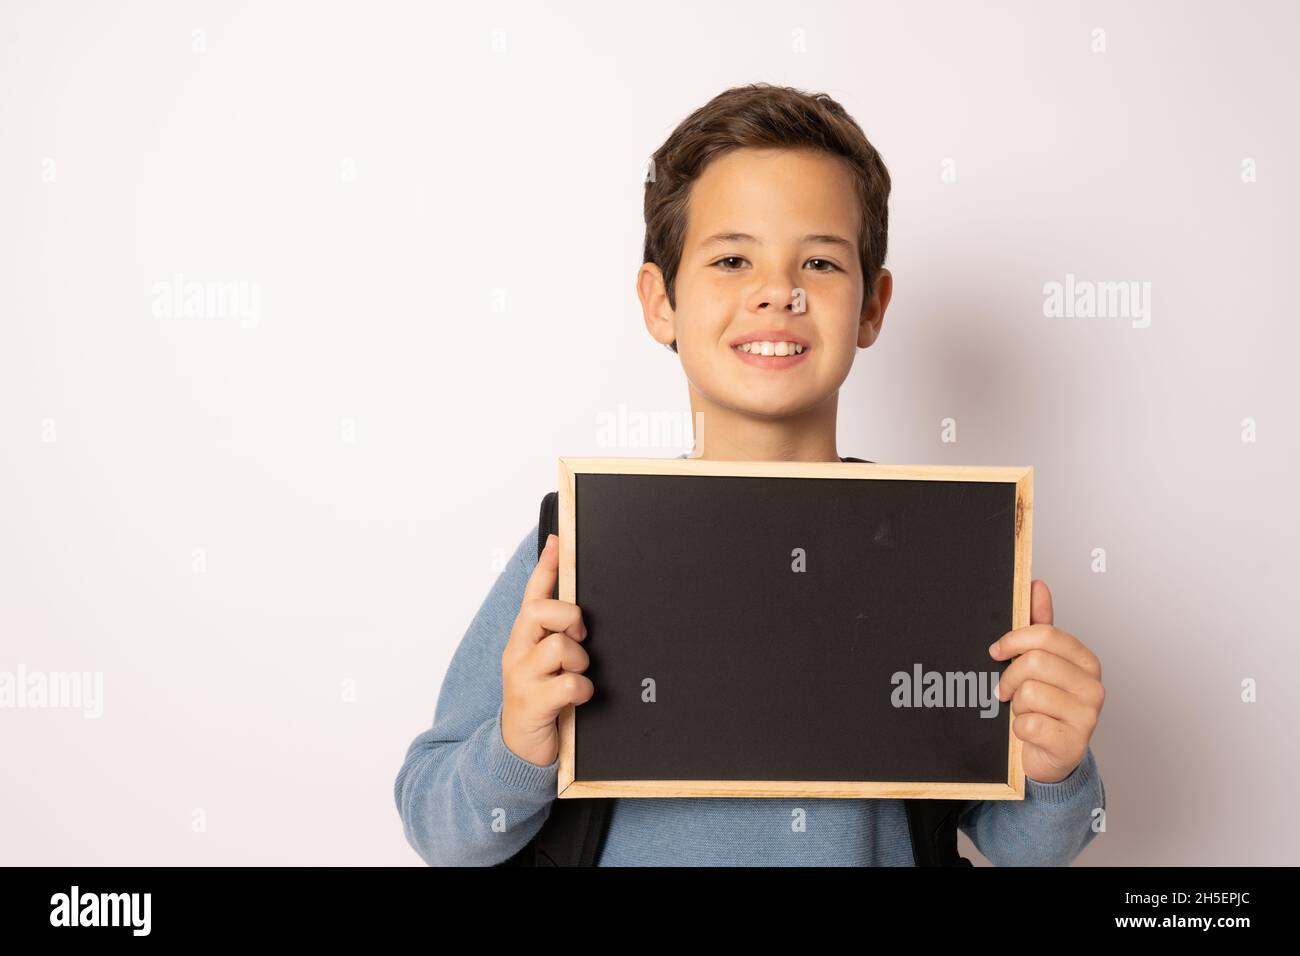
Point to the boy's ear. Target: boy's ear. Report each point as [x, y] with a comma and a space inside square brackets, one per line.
[660, 320]
[873, 313]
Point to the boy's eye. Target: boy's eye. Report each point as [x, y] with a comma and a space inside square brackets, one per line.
[832, 265]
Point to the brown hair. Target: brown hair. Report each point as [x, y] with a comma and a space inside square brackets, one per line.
[763, 116]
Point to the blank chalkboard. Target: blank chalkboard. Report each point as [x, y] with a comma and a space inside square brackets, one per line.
[773, 629]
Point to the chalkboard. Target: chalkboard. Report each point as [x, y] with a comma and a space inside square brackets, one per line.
[770, 629]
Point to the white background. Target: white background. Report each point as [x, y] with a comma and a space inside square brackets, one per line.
[441, 207]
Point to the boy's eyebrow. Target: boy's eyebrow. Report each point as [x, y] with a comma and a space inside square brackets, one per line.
[723, 238]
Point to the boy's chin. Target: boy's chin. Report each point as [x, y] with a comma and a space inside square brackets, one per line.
[791, 402]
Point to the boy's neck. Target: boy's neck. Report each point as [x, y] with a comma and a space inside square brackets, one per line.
[730, 435]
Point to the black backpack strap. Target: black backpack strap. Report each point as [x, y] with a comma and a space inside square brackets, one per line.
[574, 829]
[548, 522]
[933, 828]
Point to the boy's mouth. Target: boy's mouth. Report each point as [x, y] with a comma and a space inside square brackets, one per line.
[771, 353]
[771, 342]
[770, 347]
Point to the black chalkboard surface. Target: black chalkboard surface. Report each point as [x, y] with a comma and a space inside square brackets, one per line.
[792, 628]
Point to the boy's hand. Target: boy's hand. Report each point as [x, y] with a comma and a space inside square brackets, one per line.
[1055, 689]
[542, 665]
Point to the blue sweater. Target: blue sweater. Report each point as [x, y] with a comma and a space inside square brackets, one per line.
[466, 799]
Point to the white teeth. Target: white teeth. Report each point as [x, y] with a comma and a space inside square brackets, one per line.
[771, 348]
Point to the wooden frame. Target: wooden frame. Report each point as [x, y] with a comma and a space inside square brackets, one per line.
[1022, 477]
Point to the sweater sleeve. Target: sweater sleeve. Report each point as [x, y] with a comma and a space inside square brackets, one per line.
[1050, 827]
[466, 799]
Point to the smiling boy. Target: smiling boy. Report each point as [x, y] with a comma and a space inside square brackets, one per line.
[766, 232]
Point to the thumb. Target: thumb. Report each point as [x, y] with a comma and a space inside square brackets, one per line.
[542, 581]
[1040, 603]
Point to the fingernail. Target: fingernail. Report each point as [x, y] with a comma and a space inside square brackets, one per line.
[549, 539]
[993, 648]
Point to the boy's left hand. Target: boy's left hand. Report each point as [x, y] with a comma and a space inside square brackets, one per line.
[1055, 688]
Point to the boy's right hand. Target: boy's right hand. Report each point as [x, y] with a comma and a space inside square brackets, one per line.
[541, 668]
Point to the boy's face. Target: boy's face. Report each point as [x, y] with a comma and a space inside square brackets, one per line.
[792, 204]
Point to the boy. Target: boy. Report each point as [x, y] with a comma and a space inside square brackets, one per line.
[766, 224]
